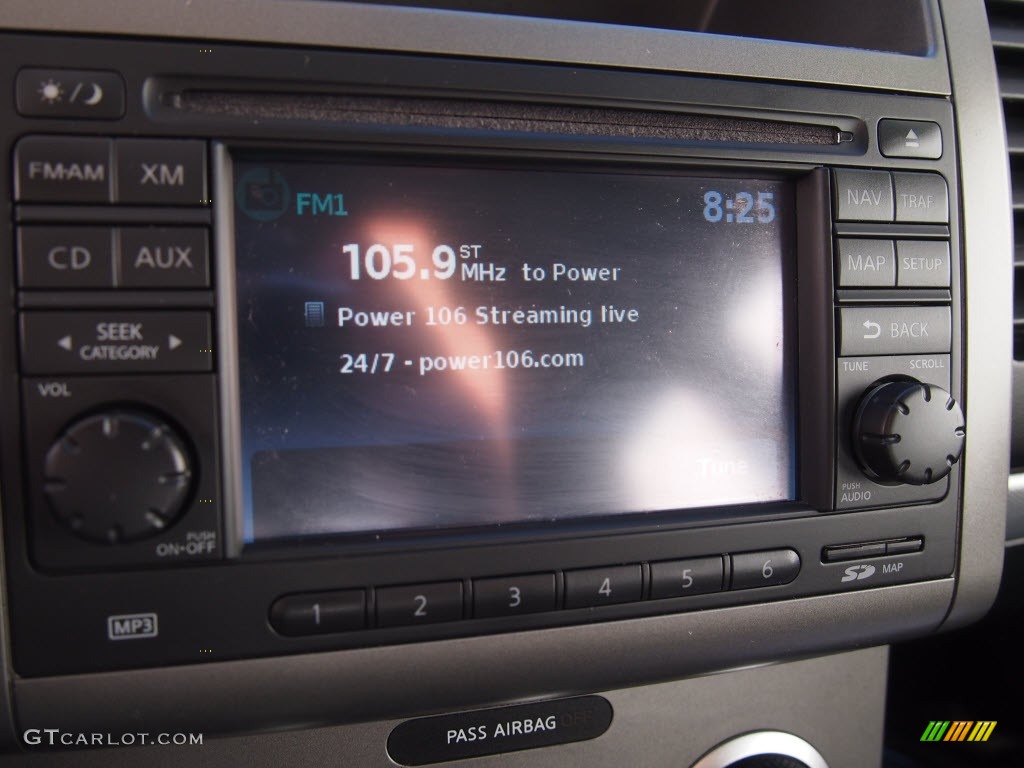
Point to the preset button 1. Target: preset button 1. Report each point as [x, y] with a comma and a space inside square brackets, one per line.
[319, 613]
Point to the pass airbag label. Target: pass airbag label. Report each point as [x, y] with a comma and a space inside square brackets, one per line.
[493, 731]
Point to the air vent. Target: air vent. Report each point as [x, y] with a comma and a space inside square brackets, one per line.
[1006, 20]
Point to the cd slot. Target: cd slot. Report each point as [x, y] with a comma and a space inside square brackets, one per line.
[492, 117]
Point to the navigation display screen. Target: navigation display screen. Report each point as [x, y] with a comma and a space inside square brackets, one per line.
[431, 348]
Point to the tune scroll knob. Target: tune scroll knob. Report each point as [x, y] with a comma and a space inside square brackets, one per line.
[117, 476]
[906, 431]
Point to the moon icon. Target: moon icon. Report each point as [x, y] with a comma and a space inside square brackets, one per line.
[96, 97]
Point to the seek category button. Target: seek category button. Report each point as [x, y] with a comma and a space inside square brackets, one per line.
[115, 342]
[894, 330]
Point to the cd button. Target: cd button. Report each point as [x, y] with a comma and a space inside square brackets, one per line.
[65, 257]
[603, 586]
[866, 264]
[681, 578]
[319, 613]
[894, 330]
[923, 264]
[921, 197]
[77, 93]
[910, 138]
[513, 595]
[863, 195]
[164, 258]
[161, 172]
[764, 569]
[419, 604]
[62, 169]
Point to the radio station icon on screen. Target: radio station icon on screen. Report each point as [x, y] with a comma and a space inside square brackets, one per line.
[314, 313]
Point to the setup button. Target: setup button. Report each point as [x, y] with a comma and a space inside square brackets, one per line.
[115, 342]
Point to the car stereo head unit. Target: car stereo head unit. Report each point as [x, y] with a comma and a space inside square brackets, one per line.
[344, 359]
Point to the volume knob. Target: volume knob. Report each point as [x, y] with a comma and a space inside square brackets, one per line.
[118, 475]
[908, 432]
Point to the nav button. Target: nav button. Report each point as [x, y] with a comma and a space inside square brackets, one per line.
[863, 195]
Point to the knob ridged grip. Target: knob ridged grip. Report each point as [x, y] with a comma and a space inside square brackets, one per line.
[118, 475]
[908, 432]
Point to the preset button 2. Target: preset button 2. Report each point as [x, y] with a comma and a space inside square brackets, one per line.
[419, 604]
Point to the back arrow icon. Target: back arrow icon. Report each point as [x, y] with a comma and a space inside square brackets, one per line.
[874, 330]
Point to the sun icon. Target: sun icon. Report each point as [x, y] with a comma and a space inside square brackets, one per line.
[50, 91]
